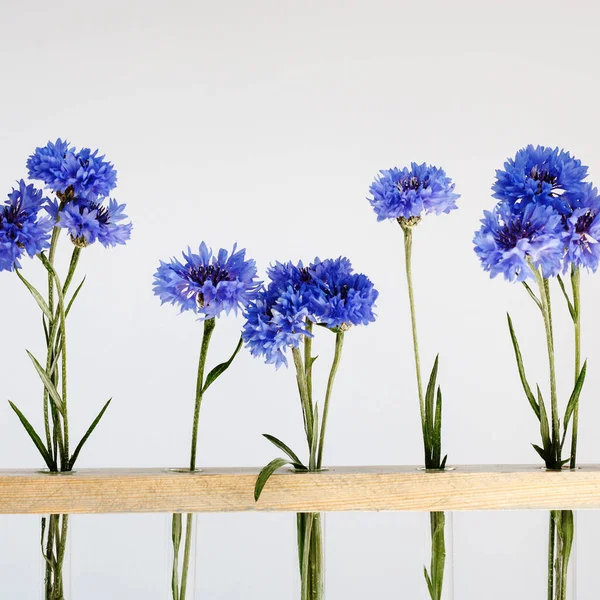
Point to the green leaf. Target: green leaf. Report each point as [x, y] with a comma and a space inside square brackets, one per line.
[522, 376]
[296, 461]
[75, 294]
[429, 412]
[540, 451]
[220, 369]
[84, 439]
[266, 473]
[429, 584]
[35, 438]
[48, 385]
[443, 464]
[437, 428]
[566, 295]
[531, 293]
[544, 424]
[574, 399]
[36, 296]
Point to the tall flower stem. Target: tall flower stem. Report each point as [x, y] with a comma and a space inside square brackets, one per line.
[413, 318]
[339, 343]
[561, 528]
[575, 284]
[179, 589]
[209, 326]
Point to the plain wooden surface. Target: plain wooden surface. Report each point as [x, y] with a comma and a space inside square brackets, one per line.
[475, 487]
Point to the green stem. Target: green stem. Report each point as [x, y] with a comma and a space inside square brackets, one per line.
[304, 594]
[189, 523]
[413, 318]
[339, 342]
[308, 358]
[575, 283]
[547, 315]
[209, 326]
[315, 560]
[307, 409]
[551, 544]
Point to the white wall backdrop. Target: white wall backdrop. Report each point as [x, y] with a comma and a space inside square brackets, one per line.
[264, 123]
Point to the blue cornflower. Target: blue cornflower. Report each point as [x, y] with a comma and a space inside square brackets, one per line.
[341, 298]
[88, 221]
[21, 231]
[275, 321]
[508, 240]
[408, 193]
[583, 229]
[325, 292]
[208, 283]
[539, 174]
[66, 170]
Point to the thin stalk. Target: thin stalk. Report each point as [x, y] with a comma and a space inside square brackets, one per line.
[339, 342]
[304, 594]
[413, 318]
[307, 409]
[315, 561]
[209, 326]
[547, 315]
[189, 521]
[308, 358]
[551, 544]
[575, 283]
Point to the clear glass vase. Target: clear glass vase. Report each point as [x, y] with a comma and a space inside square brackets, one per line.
[56, 557]
[311, 556]
[438, 564]
[181, 547]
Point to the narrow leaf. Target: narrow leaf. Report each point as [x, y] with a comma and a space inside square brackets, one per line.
[296, 461]
[429, 584]
[540, 451]
[266, 473]
[544, 425]
[429, 396]
[574, 399]
[443, 465]
[522, 376]
[437, 428]
[36, 296]
[220, 369]
[84, 439]
[532, 294]
[75, 294]
[566, 295]
[35, 438]
[54, 395]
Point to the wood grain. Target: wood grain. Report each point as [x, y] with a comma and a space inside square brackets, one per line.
[388, 488]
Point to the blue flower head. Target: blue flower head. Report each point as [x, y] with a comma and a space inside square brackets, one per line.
[21, 231]
[88, 221]
[326, 293]
[508, 240]
[583, 229]
[541, 175]
[341, 298]
[81, 173]
[208, 283]
[408, 193]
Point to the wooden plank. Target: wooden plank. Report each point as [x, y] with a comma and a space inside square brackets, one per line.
[390, 488]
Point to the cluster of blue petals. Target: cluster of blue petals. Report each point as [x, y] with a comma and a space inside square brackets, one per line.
[547, 217]
[325, 293]
[82, 180]
[408, 193]
[22, 230]
[208, 283]
[62, 167]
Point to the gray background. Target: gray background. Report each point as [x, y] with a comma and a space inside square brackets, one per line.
[264, 123]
